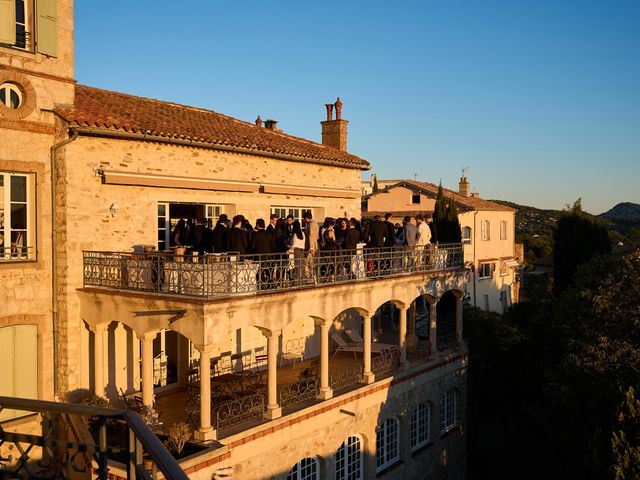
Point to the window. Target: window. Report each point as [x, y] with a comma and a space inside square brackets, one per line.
[17, 233]
[420, 423]
[485, 232]
[349, 460]
[415, 199]
[17, 21]
[466, 235]
[448, 413]
[486, 270]
[10, 95]
[18, 365]
[14, 27]
[297, 212]
[503, 229]
[305, 469]
[504, 269]
[387, 444]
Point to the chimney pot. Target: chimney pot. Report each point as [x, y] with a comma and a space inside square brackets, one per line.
[271, 124]
[259, 121]
[338, 106]
[464, 187]
[329, 107]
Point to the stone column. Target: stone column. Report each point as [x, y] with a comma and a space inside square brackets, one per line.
[205, 431]
[433, 324]
[459, 339]
[412, 339]
[402, 338]
[98, 359]
[147, 367]
[367, 374]
[273, 409]
[325, 390]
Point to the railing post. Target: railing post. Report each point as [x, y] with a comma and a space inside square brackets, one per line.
[402, 338]
[147, 368]
[433, 327]
[205, 432]
[102, 449]
[273, 409]
[98, 359]
[367, 374]
[325, 390]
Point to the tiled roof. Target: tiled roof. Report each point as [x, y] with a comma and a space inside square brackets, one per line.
[468, 203]
[112, 111]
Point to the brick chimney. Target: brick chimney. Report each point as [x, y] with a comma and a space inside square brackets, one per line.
[334, 132]
[464, 187]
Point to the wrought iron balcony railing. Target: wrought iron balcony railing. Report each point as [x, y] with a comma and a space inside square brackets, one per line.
[220, 275]
[61, 451]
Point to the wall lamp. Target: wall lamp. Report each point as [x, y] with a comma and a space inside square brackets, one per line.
[113, 209]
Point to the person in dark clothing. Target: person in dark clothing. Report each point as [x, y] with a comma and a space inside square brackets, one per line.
[271, 229]
[263, 244]
[198, 238]
[352, 236]
[237, 237]
[377, 233]
[432, 227]
[350, 244]
[342, 226]
[390, 236]
[219, 234]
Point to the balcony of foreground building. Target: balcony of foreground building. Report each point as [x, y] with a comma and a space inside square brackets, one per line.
[214, 276]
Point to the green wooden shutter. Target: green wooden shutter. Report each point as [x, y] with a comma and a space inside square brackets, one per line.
[47, 27]
[8, 22]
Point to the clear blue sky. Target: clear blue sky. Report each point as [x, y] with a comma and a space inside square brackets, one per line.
[541, 99]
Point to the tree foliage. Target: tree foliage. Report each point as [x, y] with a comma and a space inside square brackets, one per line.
[577, 239]
[445, 218]
[626, 439]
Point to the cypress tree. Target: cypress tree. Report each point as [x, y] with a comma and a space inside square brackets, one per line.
[440, 215]
[453, 223]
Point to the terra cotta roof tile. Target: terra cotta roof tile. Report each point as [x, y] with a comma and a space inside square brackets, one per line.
[112, 111]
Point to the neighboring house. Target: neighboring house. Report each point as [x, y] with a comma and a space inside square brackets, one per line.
[92, 180]
[488, 234]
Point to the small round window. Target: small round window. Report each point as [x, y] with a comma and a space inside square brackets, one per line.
[10, 95]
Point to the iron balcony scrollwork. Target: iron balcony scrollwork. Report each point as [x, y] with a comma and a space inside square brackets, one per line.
[220, 275]
[233, 412]
[299, 392]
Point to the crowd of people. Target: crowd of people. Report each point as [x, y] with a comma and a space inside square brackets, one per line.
[288, 235]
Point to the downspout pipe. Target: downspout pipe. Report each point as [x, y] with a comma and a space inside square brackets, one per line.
[54, 264]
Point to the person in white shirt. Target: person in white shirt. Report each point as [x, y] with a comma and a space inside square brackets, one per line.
[423, 239]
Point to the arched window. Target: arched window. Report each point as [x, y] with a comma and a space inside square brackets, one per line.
[305, 469]
[466, 235]
[448, 410]
[420, 426]
[349, 459]
[387, 444]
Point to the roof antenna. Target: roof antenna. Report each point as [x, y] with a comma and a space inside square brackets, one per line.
[415, 177]
[464, 171]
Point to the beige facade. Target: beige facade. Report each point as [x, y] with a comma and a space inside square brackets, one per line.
[76, 180]
[488, 231]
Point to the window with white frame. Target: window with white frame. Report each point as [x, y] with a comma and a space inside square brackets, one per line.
[448, 410]
[485, 270]
[485, 230]
[466, 235]
[503, 229]
[387, 444]
[10, 95]
[305, 469]
[420, 425]
[349, 459]
[17, 217]
[296, 212]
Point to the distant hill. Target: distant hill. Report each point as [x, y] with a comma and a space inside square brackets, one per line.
[534, 227]
[624, 210]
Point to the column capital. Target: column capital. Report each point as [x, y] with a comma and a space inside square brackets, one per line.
[269, 333]
[99, 328]
[147, 336]
[203, 348]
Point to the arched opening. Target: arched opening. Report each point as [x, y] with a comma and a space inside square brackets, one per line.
[348, 459]
[446, 322]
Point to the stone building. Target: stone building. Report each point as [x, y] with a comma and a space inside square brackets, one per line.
[488, 235]
[315, 375]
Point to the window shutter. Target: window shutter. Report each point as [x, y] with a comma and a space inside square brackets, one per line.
[47, 27]
[26, 362]
[8, 22]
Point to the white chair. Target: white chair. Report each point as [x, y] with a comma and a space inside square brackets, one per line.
[375, 347]
[294, 350]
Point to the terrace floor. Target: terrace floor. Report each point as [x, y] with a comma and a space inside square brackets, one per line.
[171, 404]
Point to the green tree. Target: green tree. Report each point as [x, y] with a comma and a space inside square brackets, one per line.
[626, 440]
[453, 223]
[375, 187]
[577, 239]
